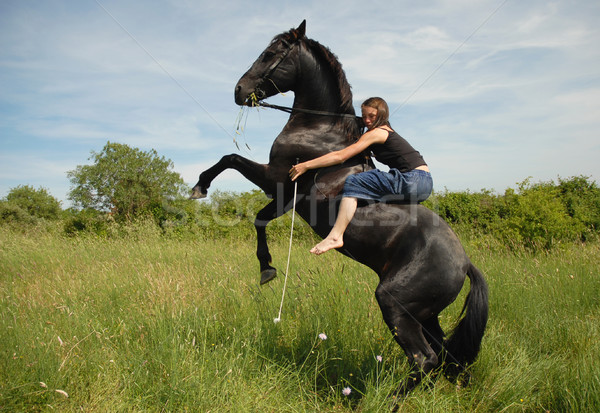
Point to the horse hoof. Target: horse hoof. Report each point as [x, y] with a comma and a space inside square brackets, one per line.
[197, 193]
[267, 275]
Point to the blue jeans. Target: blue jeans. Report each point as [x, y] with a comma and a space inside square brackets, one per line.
[410, 187]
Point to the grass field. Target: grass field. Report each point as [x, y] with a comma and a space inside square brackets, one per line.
[147, 323]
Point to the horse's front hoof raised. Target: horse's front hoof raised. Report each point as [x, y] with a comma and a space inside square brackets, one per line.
[267, 275]
[197, 193]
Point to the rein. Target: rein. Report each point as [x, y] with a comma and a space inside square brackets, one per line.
[288, 109]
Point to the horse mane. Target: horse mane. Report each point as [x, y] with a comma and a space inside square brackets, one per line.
[340, 75]
[350, 126]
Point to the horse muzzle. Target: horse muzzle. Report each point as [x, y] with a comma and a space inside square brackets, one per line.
[240, 97]
[246, 93]
[249, 99]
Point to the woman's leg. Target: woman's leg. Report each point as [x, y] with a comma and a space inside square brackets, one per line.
[335, 239]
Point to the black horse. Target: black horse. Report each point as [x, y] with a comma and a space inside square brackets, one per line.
[420, 261]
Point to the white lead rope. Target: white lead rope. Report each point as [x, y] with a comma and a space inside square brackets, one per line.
[287, 267]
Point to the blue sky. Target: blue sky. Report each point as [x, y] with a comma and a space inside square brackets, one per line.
[491, 92]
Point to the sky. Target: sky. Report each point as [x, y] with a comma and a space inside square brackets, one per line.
[491, 92]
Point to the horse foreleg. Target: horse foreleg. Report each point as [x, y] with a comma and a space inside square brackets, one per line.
[264, 216]
[252, 171]
[272, 210]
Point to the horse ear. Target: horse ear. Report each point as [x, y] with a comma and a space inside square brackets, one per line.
[296, 34]
[301, 30]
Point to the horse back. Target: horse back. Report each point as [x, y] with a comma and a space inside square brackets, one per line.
[388, 237]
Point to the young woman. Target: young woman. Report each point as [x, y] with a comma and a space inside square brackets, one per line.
[408, 177]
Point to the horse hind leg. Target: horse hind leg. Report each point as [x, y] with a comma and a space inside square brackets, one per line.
[435, 337]
[408, 333]
[434, 334]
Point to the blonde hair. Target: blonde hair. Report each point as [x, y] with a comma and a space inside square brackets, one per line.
[383, 111]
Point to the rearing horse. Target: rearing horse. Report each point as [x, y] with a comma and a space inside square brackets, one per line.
[419, 260]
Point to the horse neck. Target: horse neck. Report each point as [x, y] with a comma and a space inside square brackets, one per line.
[307, 136]
[317, 87]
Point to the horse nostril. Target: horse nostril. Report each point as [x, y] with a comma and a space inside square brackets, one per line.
[239, 99]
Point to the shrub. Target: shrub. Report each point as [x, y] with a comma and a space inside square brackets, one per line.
[536, 216]
[37, 203]
[87, 221]
[11, 213]
[581, 198]
[232, 215]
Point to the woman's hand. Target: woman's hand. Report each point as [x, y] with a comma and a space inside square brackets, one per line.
[297, 170]
[377, 135]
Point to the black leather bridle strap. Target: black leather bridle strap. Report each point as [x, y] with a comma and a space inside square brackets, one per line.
[277, 62]
[309, 111]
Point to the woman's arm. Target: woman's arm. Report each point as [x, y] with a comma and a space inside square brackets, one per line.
[337, 157]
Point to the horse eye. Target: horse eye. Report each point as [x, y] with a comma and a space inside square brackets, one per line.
[268, 56]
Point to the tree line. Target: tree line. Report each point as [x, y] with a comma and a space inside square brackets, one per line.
[125, 186]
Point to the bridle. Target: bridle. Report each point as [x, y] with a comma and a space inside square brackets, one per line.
[260, 94]
[288, 109]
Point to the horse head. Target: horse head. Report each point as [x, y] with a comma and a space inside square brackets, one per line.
[274, 70]
[294, 62]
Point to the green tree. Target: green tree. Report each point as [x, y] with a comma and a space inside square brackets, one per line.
[37, 203]
[125, 181]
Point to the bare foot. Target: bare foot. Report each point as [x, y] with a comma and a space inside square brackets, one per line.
[326, 245]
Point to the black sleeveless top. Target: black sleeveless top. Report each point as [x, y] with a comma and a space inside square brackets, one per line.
[397, 153]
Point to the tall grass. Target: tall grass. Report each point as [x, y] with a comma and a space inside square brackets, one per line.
[146, 323]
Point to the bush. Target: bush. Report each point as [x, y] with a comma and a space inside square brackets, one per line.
[536, 216]
[536, 219]
[232, 215]
[11, 213]
[88, 221]
[36, 203]
[581, 198]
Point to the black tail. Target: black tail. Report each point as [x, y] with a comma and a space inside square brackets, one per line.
[463, 345]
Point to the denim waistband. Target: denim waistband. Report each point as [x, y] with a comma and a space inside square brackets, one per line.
[413, 171]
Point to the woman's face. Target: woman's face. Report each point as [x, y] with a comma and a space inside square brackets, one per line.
[369, 115]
